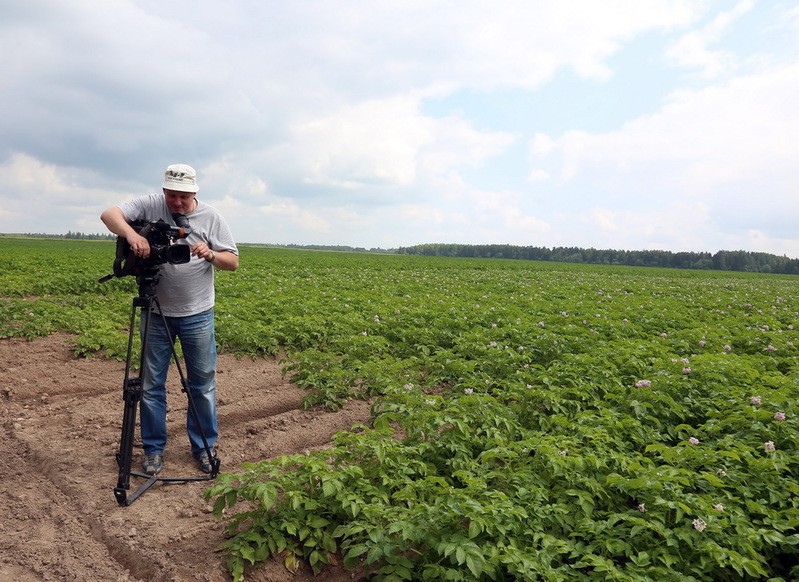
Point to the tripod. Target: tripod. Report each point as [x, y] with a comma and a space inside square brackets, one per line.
[132, 393]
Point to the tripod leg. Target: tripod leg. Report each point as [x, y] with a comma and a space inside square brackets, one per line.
[131, 395]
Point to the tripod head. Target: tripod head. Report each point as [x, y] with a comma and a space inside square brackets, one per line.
[147, 283]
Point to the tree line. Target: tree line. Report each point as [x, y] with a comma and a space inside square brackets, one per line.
[70, 235]
[745, 261]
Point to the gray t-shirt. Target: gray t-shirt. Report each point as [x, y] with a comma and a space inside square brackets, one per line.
[185, 289]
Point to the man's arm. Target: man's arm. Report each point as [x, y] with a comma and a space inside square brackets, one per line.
[114, 220]
[225, 260]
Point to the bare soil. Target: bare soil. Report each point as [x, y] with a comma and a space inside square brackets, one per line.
[62, 418]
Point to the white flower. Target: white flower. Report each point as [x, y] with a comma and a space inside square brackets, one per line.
[643, 383]
[693, 441]
[718, 507]
[721, 473]
[727, 348]
[642, 507]
[769, 447]
[564, 452]
[686, 371]
[699, 524]
[468, 391]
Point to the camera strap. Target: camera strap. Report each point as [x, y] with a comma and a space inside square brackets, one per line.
[125, 261]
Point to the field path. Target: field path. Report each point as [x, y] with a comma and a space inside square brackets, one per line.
[61, 418]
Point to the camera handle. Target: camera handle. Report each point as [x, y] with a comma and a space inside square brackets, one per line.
[132, 393]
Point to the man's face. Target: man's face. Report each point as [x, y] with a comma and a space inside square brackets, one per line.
[179, 202]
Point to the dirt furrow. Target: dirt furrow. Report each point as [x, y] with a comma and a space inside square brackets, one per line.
[62, 419]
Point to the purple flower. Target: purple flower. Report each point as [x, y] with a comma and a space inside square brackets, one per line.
[693, 441]
[779, 416]
[686, 370]
[643, 383]
[755, 400]
[727, 348]
[771, 348]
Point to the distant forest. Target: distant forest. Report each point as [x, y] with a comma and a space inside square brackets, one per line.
[723, 260]
[744, 261]
[70, 235]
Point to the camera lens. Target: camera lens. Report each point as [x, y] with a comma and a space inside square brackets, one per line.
[178, 254]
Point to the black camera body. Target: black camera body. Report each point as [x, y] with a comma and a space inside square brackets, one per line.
[162, 238]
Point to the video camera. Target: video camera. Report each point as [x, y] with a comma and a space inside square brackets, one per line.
[162, 237]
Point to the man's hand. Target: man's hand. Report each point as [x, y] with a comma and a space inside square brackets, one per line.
[139, 245]
[201, 250]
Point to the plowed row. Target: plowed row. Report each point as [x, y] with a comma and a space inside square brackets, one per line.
[62, 419]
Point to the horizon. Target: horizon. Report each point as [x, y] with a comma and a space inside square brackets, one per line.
[333, 246]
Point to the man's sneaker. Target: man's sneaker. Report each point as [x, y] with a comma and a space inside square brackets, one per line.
[153, 464]
[204, 461]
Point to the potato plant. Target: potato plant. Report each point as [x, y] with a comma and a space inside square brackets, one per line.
[531, 421]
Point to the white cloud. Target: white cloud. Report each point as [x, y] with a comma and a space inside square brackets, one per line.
[692, 50]
[368, 143]
[676, 226]
[381, 143]
[700, 142]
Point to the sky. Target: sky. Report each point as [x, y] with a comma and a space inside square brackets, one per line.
[621, 124]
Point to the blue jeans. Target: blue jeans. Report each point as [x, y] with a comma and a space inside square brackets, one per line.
[198, 341]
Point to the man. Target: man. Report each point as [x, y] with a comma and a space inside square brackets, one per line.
[185, 293]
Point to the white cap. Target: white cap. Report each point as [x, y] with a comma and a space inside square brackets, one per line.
[180, 177]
